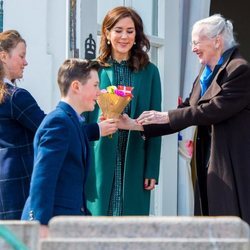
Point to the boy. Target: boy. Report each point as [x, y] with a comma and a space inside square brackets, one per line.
[61, 147]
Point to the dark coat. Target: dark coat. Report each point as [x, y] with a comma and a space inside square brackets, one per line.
[61, 164]
[20, 117]
[225, 109]
[142, 157]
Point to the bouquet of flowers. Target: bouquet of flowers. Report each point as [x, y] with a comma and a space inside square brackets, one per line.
[113, 100]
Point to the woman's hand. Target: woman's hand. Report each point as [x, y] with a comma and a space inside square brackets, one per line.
[149, 184]
[127, 123]
[153, 117]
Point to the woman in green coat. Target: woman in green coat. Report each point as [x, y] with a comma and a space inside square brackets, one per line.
[125, 168]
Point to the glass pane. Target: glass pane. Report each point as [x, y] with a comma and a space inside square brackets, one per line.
[103, 6]
[153, 55]
[148, 10]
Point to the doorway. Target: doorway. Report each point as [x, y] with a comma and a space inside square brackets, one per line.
[238, 13]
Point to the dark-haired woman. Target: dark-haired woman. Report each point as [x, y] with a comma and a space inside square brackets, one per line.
[125, 168]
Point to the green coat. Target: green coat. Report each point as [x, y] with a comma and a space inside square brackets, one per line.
[142, 156]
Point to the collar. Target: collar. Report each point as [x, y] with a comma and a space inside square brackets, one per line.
[6, 80]
[80, 118]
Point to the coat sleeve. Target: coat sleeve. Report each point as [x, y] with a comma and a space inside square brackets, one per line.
[232, 99]
[93, 131]
[154, 130]
[50, 151]
[153, 145]
[26, 110]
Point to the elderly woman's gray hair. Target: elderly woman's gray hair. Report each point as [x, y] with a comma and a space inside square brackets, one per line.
[216, 25]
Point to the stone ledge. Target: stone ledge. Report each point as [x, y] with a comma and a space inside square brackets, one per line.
[149, 227]
[144, 244]
[25, 231]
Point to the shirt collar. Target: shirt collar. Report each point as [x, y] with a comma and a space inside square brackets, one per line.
[6, 80]
[80, 118]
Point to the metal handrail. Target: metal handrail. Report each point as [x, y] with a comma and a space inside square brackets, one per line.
[11, 239]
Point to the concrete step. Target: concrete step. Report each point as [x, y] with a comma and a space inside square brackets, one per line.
[149, 227]
[26, 232]
[143, 244]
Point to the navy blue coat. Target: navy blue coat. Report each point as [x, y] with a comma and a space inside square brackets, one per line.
[20, 117]
[61, 164]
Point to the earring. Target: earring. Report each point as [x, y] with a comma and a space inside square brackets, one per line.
[134, 43]
[108, 42]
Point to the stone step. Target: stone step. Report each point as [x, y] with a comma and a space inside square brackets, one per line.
[143, 244]
[149, 227]
[26, 232]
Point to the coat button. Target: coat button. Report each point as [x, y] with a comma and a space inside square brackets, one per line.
[31, 215]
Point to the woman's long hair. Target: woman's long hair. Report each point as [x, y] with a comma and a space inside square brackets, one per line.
[3, 90]
[8, 41]
[138, 53]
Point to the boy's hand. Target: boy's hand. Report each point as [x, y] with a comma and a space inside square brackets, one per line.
[108, 126]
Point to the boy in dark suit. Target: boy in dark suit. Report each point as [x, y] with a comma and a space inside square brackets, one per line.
[61, 147]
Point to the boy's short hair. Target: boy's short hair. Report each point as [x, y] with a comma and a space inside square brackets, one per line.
[74, 69]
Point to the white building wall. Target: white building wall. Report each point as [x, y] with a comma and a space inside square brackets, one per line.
[43, 25]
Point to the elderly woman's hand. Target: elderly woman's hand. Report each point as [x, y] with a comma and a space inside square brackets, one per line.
[153, 117]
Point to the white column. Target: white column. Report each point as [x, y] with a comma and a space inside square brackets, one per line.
[57, 33]
[169, 66]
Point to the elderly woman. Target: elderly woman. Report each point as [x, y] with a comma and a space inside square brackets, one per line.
[219, 105]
